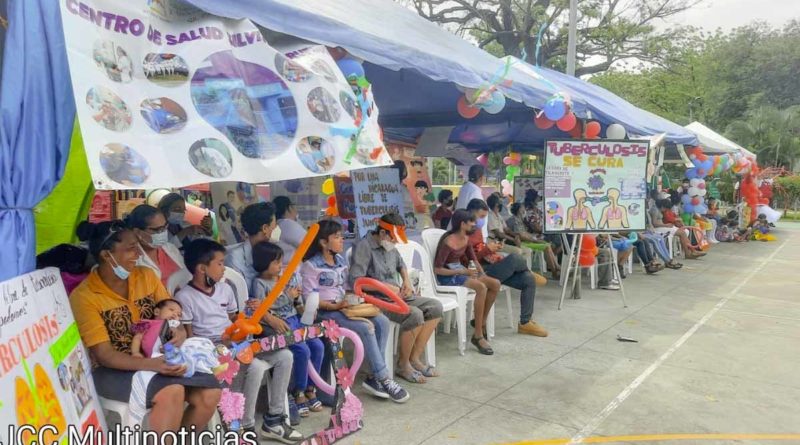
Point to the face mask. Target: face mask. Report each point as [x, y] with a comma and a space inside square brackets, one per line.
[480, 223]
[387, 245]
[173, 323]
[159, 239]
[210, 282]
[276, 234]
[175, 218]
[119, 271]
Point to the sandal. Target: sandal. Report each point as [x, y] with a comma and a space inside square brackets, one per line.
[313, 402]
[427, 370]
[412, 377]
[481, 349]
[472, 324]
[302, 405]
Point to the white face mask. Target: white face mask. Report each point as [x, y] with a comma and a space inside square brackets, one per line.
[387, 245]
[276, 234]
[159, 239]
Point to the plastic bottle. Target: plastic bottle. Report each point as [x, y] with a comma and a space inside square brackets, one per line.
[310, 313]
[472, 267]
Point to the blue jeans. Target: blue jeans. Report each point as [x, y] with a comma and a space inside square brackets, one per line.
[311, 349]
[659, 245]
[373, 334]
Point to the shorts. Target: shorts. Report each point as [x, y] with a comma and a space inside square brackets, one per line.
[422, 309]
[452, 280]
[114, 384]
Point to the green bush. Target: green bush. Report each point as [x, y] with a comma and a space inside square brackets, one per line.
[788, 186]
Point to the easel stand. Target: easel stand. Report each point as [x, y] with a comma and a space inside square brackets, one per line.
[573, 267]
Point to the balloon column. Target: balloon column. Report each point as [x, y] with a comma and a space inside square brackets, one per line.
[512, 166]
[327, 190]
[704, 165]
[558, 111]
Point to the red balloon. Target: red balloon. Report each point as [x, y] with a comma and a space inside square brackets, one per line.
[577, 131]
[589, 242]
[695, 201]
[465, 110]
[593, 130]
[567, 122]
[542, 122]
[398, 305]
[331, 201]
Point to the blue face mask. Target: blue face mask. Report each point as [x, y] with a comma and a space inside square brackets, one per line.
[121, 272]
[479, 223]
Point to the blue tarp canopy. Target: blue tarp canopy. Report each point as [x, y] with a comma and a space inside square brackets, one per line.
[414, 66]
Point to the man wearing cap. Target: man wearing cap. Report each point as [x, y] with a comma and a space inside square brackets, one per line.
[375, 256]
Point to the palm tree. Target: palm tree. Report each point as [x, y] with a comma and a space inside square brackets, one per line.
[773, 134]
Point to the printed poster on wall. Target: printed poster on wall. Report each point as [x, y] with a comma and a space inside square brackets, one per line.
[345, 201]
[45, 370]
[169, 96]
[595, 186]
[230, 199]
[524, 183]
[376, 192]
[306, 195]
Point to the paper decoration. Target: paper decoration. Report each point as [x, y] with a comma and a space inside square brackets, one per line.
[169, 97]
[595, 186]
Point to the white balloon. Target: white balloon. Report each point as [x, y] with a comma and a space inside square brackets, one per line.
[702, 192]
[615, 131]
[694, 191]
[694, 182]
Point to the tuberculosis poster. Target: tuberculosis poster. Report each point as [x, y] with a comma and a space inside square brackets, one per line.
[168, 96]
[45, 371]
[595, 186]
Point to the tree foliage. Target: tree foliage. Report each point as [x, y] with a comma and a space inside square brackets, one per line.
[609, 31]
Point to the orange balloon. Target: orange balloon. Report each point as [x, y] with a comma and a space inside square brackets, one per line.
[593, 130]
[542, 122]
[465, 110]
[567, 122]
[243, 327]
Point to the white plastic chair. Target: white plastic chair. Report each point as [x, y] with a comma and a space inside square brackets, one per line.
[463, 295]
[121, 410]
[239, 285]
[177, 280]
[449, 304]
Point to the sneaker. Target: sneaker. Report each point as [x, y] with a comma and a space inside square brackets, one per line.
[294, 413]
[610, 286]
[275, 428]
[374, 387]
[395, 391]
[532, 328]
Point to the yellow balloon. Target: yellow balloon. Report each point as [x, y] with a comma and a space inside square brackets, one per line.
[327, 186]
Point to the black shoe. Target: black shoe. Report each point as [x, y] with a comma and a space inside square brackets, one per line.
[481, 349]
[472, 324]
[622, 273]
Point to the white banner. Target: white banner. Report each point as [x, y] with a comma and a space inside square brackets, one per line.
[169, 96]
[595, 186]
[45, 371]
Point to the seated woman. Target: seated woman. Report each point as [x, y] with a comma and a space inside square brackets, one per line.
[456, 264]
[156, 252]
[516, 224]
[695, 235]
[509, 269]
[325, 271]
[500, 231]
[375, 256]
[443, 213]
[533, 220]
[116, 295]
[173, 206]
[291, 232]
[624, 247]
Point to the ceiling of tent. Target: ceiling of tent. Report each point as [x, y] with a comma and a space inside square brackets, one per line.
[715, 143]
[414, 66]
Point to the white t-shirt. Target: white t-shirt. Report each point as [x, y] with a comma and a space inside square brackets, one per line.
[209, 315]
[468, 192]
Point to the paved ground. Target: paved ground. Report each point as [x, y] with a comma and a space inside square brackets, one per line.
[717, 353]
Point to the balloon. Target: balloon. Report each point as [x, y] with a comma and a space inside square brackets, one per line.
[686, 199]
[496, 103]
[701, 209]
[243, 327]
[327, 186]
[589, 242]
[465, 110]
[702, 192]
[507, 160]
[514, 169]
[399, 306]
[694, 191]
[688, 208]
[350, 67]
[567, 122]
[691, 173]
[593, 130]
[577, 131]
[483, 159]
[508, 188]
[555, 109]
[542, 122]
[707, 165]
[331, 201]
[695, 201]
[701, 173]
[515, 156]
[694, 181]
[615, 131]
[701, 184]
[358, 358]
[504, 182]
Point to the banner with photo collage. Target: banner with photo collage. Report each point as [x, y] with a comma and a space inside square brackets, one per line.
[595, 186]
[168, 95]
